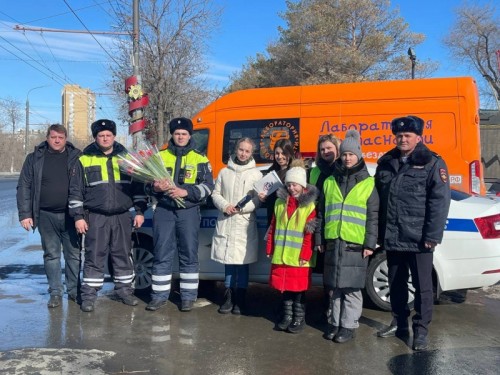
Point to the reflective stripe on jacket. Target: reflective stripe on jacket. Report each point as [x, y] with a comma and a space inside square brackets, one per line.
[188, 166]
[190, 170]
[346, 218]
[97, 171]
[97, 185]
[289, 233]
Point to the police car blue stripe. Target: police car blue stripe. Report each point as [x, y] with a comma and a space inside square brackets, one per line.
[460, 225]
[452, 225]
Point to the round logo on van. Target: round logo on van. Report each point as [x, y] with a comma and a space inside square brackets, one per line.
[275, 131]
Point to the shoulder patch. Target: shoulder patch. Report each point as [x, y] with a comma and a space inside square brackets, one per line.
[443, 175]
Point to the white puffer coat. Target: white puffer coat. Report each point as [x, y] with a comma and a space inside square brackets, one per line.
[235, 239]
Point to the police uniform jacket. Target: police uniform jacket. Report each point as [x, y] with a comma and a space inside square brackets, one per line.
[97, 185]
[191, 171]
[30, 180]
[414, 199]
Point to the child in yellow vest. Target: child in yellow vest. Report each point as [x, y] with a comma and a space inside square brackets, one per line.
[290, 246]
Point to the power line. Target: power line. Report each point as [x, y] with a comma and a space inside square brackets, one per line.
[49, 17]
[83, 24]
[52, 53]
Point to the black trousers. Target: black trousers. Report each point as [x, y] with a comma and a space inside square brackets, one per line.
[420, 265]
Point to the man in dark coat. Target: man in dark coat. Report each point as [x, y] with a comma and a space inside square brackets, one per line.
[414, 191]
[42, 201]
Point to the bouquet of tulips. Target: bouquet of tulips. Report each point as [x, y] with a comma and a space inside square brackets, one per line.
[147, 166]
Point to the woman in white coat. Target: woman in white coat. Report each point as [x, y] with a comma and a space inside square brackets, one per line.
[235, 242]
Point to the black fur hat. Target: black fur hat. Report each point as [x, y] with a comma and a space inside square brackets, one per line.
[411, 124]
[101, 125]
[181, 123]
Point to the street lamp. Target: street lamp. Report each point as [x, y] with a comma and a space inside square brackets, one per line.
[26, 133]
[413, 59]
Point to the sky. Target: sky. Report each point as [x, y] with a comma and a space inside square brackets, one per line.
[36, 65]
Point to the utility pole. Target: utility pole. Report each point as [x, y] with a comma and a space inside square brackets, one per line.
[137, 101]
[27, 129]
[413, 59]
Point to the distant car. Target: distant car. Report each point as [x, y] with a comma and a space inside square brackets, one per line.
[469, 256]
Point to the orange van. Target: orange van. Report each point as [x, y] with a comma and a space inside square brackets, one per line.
[449, 107]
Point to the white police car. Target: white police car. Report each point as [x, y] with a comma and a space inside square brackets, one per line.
[469, 256]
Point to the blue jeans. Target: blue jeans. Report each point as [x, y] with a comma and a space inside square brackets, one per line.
[236, 275]
[56, 230]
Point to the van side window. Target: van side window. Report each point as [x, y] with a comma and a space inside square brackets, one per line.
[200, 137]
[264, 133]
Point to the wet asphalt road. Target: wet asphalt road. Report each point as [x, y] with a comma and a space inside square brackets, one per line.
[118, 339]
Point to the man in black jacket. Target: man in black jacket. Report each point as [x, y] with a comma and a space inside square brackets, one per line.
[42, 200]
[414, 191]
[100, 197]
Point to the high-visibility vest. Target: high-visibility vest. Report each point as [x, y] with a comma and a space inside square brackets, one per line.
[314, 175]
[96, 170]
[189, 163]
[289, 233]
[346, 218]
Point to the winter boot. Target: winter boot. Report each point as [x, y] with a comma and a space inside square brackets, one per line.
[239, 306]
[287, 313]
[227, 306]
[299, 314]
[331, 329]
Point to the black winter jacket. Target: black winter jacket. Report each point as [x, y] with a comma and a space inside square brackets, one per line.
[414, 199]
[30, 180]
[109, 198]
[345, 266]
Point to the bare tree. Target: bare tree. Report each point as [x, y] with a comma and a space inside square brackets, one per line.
[474, 39]
[329, 41]
[173, 43]
[11, 112]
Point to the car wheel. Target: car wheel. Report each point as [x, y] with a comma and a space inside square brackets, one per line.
[377, 283]
[143, 265]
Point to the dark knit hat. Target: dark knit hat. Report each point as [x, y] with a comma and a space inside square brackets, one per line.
[411, 124]
[101, 125]
[181, 123]
[351, 143]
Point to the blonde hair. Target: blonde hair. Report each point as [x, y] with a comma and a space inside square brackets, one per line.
[327, 138]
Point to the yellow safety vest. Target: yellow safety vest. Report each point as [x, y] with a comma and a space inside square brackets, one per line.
[189, 163]
[289, 233]
[96, 171]
[346, 218]
[314, 175]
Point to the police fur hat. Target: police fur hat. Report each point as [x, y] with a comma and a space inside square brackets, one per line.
[411, 124]
[180, 123]
[101, 125]
[351, 143]
[297, 173]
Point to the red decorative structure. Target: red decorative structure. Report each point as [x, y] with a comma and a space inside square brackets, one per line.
[137, 101]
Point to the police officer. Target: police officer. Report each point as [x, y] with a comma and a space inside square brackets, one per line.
[100, 198]
[176, 226]
[414, 191]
